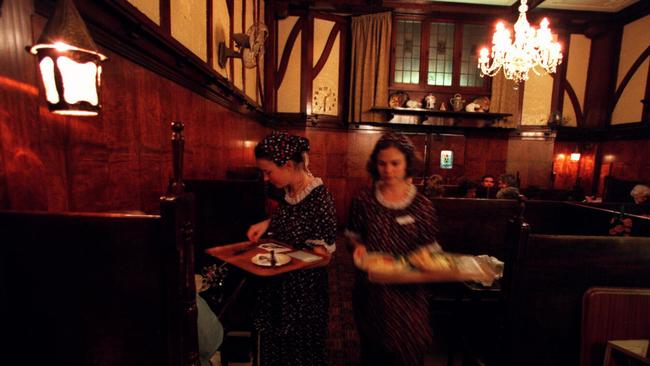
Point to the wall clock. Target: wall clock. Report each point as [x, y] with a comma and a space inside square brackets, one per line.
[324, 101]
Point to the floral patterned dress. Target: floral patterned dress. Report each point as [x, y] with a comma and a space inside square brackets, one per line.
[393, 320]
[292, 309]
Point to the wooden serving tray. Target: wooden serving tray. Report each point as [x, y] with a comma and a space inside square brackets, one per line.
[240, 254]
[410, 275]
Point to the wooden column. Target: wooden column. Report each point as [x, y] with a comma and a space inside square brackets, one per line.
[601, 76]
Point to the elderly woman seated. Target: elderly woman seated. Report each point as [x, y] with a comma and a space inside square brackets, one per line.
[640, 193]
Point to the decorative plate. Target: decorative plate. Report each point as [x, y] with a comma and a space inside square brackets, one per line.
[397, 99]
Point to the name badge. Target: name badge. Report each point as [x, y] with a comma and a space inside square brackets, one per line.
[405, 220]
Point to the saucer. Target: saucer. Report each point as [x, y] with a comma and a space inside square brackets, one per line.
[264, 259]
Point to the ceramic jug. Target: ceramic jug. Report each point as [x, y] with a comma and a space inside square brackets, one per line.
[456, 102]
[430, 101]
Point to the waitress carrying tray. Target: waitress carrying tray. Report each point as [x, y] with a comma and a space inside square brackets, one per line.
[267, 257]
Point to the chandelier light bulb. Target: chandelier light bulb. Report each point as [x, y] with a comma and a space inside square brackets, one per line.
[532, 49]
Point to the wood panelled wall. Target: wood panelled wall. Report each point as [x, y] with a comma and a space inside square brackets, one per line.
[120, 160]
[623, 159]
[117, 161]
[340, 157]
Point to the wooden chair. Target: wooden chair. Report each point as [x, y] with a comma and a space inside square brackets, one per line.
[610, 313]
[554, 272]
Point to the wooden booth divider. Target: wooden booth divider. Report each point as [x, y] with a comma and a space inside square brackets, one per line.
[554, 272]
[101, 288]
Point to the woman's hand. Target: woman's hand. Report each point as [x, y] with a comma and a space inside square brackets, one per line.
[256, 231]
[320, 250]
[360, 251]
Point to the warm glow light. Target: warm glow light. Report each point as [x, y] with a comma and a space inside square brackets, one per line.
[17, 85]
[75, 113]
[78, 81]
[47, 72]
[561, 156]
[69, 63]
[575, 156]
[61, 47]
[531, 49]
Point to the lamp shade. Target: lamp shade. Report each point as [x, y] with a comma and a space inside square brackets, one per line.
[69, 61]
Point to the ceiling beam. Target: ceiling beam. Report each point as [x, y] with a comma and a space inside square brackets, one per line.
[633, 12]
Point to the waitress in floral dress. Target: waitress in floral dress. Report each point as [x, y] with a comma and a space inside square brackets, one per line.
[392, 217]
[292, 309]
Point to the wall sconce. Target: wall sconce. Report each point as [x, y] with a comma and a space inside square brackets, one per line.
[69, 63]
[575, 155]
[446, 159]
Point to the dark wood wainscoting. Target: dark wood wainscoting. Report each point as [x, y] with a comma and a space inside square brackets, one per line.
[114, 162]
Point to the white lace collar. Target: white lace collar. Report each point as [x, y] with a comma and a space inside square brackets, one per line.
[303, 193]
[399, 205]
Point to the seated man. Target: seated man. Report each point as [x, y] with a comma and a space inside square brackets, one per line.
[486, 189]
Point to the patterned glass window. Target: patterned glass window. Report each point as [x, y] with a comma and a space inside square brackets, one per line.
[473, 37]
[441, 54]
[407, 52]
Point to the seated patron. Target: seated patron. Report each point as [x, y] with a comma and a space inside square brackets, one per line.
[640, 193]
[210, 330]
[433, 186]
[467, 188]
[508, 193]
[486, 189]
[507, 187]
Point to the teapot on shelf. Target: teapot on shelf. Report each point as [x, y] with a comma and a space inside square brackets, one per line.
[456, 102]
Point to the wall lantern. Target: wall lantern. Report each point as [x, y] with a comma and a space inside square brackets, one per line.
[69, 63]
[575, 155]
[446, 159]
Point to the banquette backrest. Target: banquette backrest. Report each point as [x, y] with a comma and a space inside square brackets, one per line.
[92, 288]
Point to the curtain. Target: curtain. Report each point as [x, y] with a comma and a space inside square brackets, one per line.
[369, 66]
[505, 99]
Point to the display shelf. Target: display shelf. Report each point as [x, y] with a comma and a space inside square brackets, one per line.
[444, 114]
[428, 128]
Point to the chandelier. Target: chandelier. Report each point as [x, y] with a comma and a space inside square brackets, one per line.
[532, 49]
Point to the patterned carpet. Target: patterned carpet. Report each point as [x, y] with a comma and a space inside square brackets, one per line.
[343, 341]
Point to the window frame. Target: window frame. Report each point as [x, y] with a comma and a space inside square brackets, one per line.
[425, 31]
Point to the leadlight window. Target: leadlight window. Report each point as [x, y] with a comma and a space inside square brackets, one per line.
[473, 38]
[407, 52]
[441, 54]
[437, 55]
